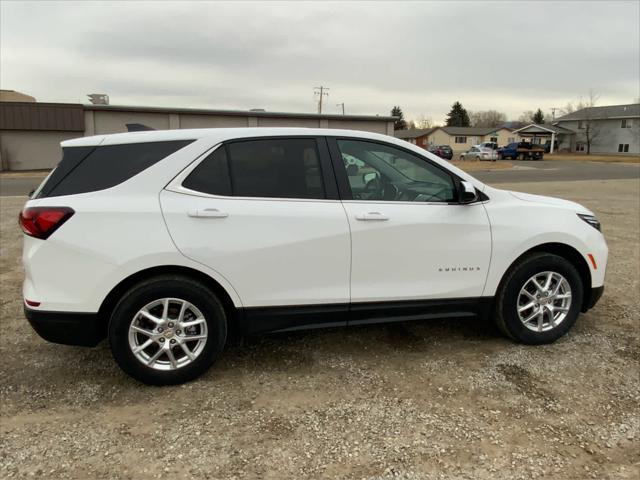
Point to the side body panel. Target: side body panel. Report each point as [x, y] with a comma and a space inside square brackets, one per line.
[274, 251]
[519, 225]
[105, 241]
[423, 251]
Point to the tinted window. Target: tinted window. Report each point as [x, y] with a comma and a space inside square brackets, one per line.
[82, 171]
[211, 175]
[380, 172]
[282, 168]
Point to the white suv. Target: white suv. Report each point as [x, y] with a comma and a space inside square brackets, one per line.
[162, 241]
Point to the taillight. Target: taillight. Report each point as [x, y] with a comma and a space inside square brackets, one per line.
[41, 222]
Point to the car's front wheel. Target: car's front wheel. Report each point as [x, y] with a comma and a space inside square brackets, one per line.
[167, 330]
[539, 299]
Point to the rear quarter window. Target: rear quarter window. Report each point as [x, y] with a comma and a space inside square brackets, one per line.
[89, 169]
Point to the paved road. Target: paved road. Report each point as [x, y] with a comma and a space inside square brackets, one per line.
[523, 171]
[19, 185]
[532, 171]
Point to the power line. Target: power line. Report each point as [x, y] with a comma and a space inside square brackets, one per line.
[322, 92]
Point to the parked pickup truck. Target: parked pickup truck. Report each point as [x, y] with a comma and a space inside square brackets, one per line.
[521, 150]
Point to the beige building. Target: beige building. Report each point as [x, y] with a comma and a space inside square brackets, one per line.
[13, 96]
[460, 139]
[30, 133]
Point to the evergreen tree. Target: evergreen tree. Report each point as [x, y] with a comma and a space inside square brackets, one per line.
[458, 116]
[399, 124]
[538, 117]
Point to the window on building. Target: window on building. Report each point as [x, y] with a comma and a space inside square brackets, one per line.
[581, 125]
[581, 147]
[626, 123]
[461, 140]
[623, 147]
[494, 139]
[511, 140]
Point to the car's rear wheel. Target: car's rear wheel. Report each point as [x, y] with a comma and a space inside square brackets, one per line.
[539, 300]
[167, 330]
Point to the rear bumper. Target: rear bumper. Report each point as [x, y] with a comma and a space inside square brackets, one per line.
[68, 328]
[595, 295]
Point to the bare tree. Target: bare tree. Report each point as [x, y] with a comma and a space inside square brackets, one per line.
[423, 121]
[487, 118]
[570, 107]
[588, 128]
[527, 117]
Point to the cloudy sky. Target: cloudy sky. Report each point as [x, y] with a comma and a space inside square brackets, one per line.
[423, 56]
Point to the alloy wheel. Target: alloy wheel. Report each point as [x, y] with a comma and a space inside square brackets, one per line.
[544, 301]
[167, 334]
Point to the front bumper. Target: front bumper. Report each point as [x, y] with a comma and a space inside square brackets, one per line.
[594, 296]
[68, 328]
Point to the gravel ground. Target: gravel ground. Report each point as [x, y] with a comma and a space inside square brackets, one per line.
[446, 399]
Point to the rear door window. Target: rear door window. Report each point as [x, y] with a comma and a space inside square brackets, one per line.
[276, 168]
[211, 175]
[270, 168]
[89, 169]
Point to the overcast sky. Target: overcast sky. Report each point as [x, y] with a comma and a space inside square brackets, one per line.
[508, 56]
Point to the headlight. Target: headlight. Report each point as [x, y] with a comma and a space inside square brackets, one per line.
[591, 220]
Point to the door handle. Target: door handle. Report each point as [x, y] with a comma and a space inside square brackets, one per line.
[372, 216]
[207, 213]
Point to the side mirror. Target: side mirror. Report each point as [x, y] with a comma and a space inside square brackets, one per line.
[369, 177]
[467, 192]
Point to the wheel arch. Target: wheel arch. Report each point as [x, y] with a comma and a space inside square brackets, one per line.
[570, 254]
[112, 298]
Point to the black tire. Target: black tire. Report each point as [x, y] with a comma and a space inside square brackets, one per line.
[506, 314]
[167, 286]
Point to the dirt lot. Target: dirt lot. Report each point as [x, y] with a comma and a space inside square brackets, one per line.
[426, 400]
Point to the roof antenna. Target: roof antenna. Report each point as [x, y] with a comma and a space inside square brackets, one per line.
[137, 127]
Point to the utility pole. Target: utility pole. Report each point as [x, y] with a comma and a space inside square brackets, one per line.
[322, 92]
[553, 113]
[341, 105]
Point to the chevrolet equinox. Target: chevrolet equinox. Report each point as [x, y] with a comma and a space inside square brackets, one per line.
[162, 241]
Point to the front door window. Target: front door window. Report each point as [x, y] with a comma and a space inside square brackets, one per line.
[379, 172]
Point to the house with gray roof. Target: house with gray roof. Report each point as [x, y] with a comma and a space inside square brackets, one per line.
[461, 139]
[541, 134]
[612, 129]
[417, 136]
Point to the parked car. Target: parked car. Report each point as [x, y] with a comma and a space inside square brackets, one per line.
[489, 145]
[479, 153]
[522, 151]
[164, 241]
[443, 151]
